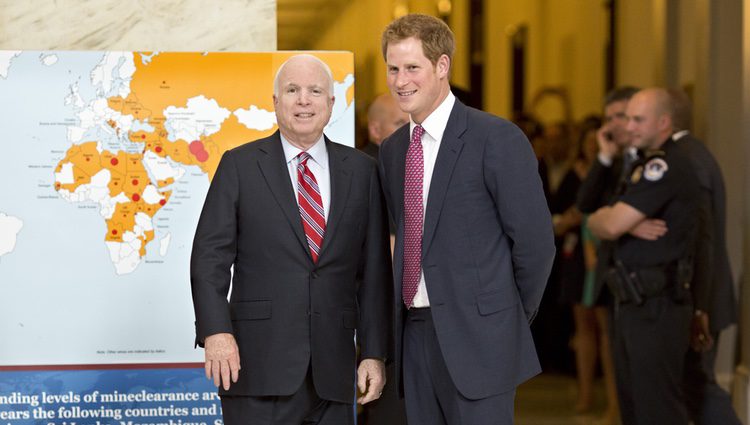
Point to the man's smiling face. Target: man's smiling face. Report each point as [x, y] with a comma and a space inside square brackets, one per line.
[304, 101]
[417, 84]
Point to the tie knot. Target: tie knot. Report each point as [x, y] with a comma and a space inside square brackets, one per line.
[417, 133]
[303, 157]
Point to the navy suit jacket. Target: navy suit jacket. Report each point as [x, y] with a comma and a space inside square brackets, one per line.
[487, 248]
[286, 312]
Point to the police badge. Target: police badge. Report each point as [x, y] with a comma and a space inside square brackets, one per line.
[654, 169]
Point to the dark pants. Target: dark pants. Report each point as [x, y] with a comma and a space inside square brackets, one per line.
[301, 408]
[650, 342]
[431, 396]
[707, 402]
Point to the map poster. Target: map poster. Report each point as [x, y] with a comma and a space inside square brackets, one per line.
[107, 157]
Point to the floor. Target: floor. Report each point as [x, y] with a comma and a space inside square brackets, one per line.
[550, 400]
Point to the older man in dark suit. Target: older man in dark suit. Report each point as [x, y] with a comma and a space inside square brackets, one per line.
[301, 223]
[707, 402]
[474, 244]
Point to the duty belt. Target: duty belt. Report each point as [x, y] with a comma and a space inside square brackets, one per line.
[637, 285]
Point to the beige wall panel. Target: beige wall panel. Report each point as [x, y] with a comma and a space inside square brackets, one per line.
[575, 37]
[500, 19]
[565, 48]
[175, 25]
[742, 383]
[723, 125]
[636, 49]
[687, 43]
[459, 22]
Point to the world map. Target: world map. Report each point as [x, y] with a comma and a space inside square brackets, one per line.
[107, 159]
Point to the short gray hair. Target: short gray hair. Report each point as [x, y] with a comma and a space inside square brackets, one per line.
[322, 64]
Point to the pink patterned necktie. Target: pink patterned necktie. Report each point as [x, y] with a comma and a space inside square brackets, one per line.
[413, 216]
[310, 206]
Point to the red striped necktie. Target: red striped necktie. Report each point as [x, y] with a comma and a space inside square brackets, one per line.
[413, 217]
[310, 206]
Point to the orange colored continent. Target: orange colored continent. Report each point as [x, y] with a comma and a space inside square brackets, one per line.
[234, 80]
[128, 177]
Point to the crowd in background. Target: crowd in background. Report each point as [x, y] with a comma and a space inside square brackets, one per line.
[642, 381]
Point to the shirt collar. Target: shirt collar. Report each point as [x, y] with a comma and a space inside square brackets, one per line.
[435, 123]
[317, 152]
[679, 135]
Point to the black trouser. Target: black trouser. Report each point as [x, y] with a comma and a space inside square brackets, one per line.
[649, 344]
[707, 402]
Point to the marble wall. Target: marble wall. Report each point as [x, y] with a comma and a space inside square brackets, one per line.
[143, 25]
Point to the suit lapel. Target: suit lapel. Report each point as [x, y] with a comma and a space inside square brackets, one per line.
[341, 177]
[401, 146]
[274, 169]
[450, 148]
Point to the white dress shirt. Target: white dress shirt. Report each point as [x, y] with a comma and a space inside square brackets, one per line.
[434, 127]
[318, 165]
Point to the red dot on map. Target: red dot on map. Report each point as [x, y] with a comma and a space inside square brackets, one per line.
[163, 202]
[135, 182]
[114, 231]
[197, 149]
[143, 136]
[88, 159]
[114, 161]
[136, 197]
[158, 149]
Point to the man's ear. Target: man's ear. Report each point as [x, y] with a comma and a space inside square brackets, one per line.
[443, 66]
[665, 122]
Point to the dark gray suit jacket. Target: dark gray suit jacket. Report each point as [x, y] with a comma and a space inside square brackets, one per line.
[487, 248]
[721, 305]
[285, 311]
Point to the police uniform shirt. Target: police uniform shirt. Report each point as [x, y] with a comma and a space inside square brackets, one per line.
[662, 185]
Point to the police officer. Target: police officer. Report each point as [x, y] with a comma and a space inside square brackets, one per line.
[650, 272]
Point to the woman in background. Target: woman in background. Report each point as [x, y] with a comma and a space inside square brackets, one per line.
[591, 338]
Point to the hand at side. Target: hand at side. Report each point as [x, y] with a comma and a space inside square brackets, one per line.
[222, 359]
